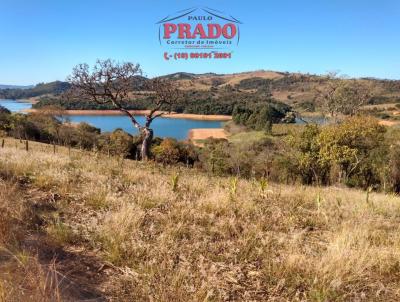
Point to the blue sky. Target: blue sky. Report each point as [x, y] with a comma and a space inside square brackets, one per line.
[42, 40]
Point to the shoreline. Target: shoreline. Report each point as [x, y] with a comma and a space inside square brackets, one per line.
[173, 115]
[190, 116]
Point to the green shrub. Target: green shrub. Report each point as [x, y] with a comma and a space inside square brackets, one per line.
[117, 143]
[394, 164]
[262, 116]
[170, 151]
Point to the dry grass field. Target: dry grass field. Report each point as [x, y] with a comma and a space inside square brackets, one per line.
[83, 226]
[204, 82]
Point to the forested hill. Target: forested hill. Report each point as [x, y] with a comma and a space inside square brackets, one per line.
[211, 93]
[41, 89]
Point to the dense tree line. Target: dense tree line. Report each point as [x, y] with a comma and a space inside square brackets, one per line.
[262, 116]
[192, 101]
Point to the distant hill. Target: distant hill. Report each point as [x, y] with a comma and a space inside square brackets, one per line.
[208, 91]
[3, 86]
[292, 88]
[52, 88]
[187, 75]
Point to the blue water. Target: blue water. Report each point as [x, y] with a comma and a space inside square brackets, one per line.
[15, 106]
[319, 120]
[163, 127]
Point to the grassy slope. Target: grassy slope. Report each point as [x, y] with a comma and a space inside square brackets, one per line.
[205, 238]
[240, 135]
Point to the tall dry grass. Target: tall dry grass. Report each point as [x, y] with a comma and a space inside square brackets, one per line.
[22, 276]
[204, 238]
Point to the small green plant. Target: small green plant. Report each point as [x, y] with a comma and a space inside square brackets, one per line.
[318, 201]
[61, 233]
[263, 184]
[97, 200]
[22, 257]
[174, 182]
[233, 187]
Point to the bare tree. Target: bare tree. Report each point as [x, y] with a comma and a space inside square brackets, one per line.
[54, 117]
[344, 96]
[109, 82]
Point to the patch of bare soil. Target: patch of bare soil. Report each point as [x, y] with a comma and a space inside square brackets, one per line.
[200, 134]
[388, 123]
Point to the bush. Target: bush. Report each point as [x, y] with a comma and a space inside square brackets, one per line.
[4, 110]
[215, 156]
[394, 164]
[349, 144]
[86, 135]
[170, 151]
[307, 156]
[117, 143]
[353, 153]
[5, 118]
[244, 159]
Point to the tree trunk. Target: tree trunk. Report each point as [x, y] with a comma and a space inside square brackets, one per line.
[147, 136]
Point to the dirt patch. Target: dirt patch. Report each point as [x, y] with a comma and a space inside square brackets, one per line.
[389, 123]
[385, 106]
[201, 134]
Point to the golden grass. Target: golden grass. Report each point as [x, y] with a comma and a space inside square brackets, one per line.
[233, 79]
[206, 238]
[201, 134]
[205, 82]
[22, 276]
[12, 212]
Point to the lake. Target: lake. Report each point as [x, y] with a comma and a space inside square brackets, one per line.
[163, 127]
[15, 106]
